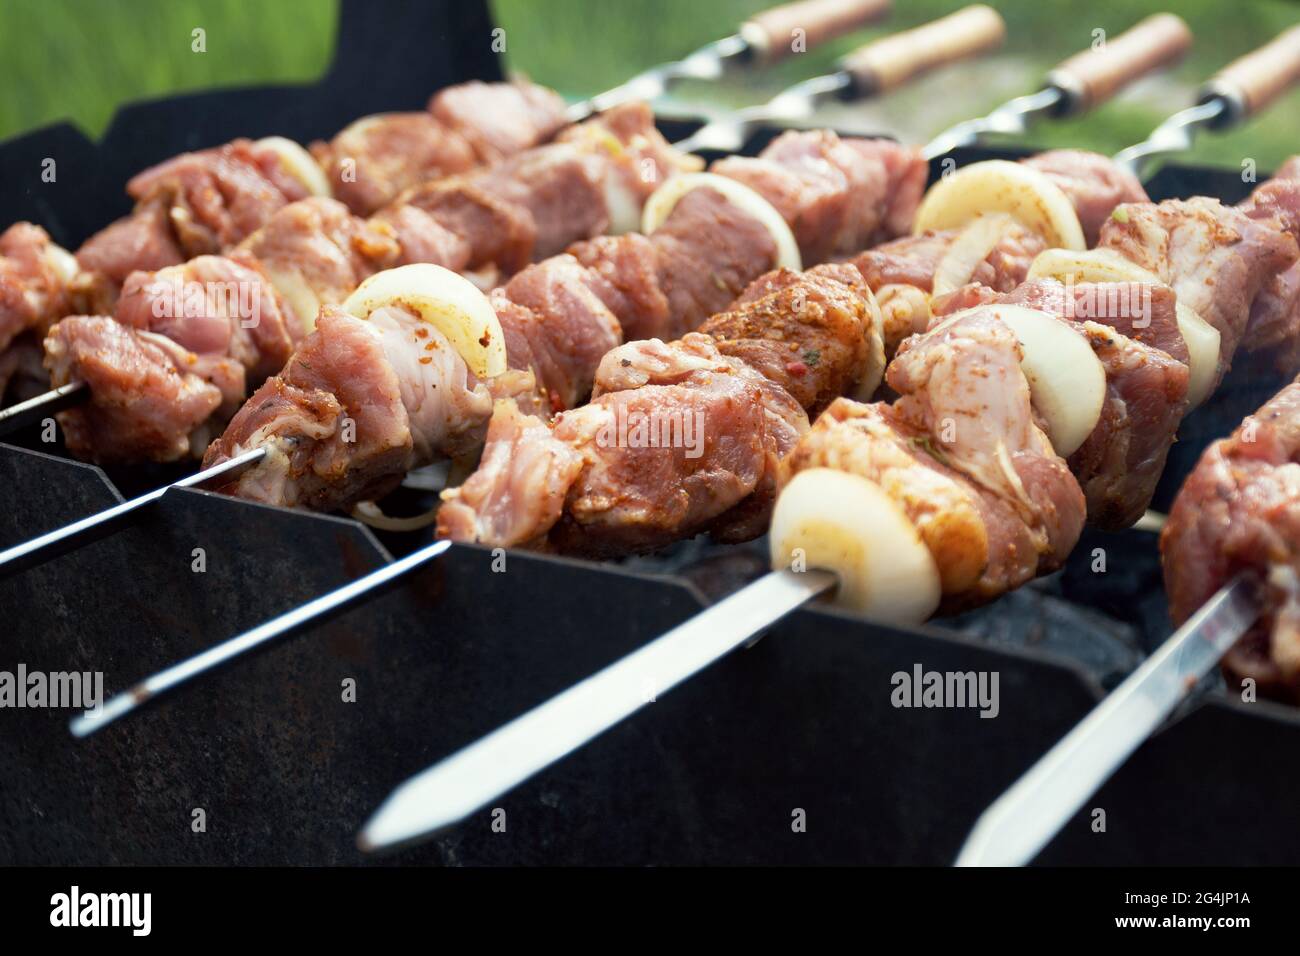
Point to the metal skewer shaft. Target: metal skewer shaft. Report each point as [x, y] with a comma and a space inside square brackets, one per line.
[1235, 94]
[873, 69]
[765, 38]
[1079, 84]
[37, 551]
[37, 409]
[1016, 827]
[469, 779]
[313, 612]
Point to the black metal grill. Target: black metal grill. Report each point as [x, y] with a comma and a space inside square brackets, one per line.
[285, 770]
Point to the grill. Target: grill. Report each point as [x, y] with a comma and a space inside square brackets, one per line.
[285, 769]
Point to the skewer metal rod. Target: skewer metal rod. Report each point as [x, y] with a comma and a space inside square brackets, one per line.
[314, 612]
[1016, 827]
[37, 551]
[468, 780]
[37, 409]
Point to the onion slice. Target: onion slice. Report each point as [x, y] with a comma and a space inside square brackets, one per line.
[1000, 186]
[968, 250]
[447, 301]
[1067, 382]
[298, 163]
[1107, 265]
[840, 522]
[664, 199]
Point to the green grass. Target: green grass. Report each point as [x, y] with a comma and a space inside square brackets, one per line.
[79, 58]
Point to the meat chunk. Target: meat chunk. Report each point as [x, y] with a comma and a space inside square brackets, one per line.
[140, 241]
[370, 162]
[564, 326]
[360, 403]
[499, 119]
[680, 437]
[539, 201]
[212, 306]
[695, 264]
[962, 455]
[1133, 330]
[518, 491]
[1239, 510]
[150, 395]
[316, 253]
[655, 462]
[34, 281]
[901, 274]
[838, 195]
[1274, 327]
[1216, 258]
[1096, 184]
[810, 333]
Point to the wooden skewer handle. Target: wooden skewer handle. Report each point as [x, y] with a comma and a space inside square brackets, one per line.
[1260, 77]
[1092, 77]
[779, 32]
[888, 63]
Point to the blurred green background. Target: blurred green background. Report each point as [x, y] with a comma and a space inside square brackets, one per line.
[79, 58]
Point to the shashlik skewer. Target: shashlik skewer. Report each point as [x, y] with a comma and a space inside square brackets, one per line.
[766, 37]
[209, 201]
[715, 374]
[1117, 193]
[859, 505]
[869, 71]
[1079, 84]
[1240, 90]
[1228, 550]
[485, 209]
[874, 185]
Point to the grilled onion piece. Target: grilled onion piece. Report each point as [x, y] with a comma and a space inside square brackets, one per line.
[1000, 186]
[845, 524]
[980, 237]
[447, 301]
[299, 164]
[1107, 265]
[1066, 380]
[664, 199]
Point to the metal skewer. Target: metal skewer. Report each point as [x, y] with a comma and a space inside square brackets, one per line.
[1023, 820]
[870, 70]
[313, 612]
[1236, 93]
[764, 38]
[474, 776]
[1079, 84]
[42, 406]
[37, 551]
[1152, 61]
[467, 780]
[920, 49]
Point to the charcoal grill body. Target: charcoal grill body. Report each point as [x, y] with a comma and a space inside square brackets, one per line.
[790, 752]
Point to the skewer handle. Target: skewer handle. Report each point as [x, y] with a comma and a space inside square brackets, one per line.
[1254, 81]
[772, 34]
[891, 62]
[1094, 76]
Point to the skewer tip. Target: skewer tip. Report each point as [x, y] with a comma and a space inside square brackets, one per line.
[413, 810]
[116, 707]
